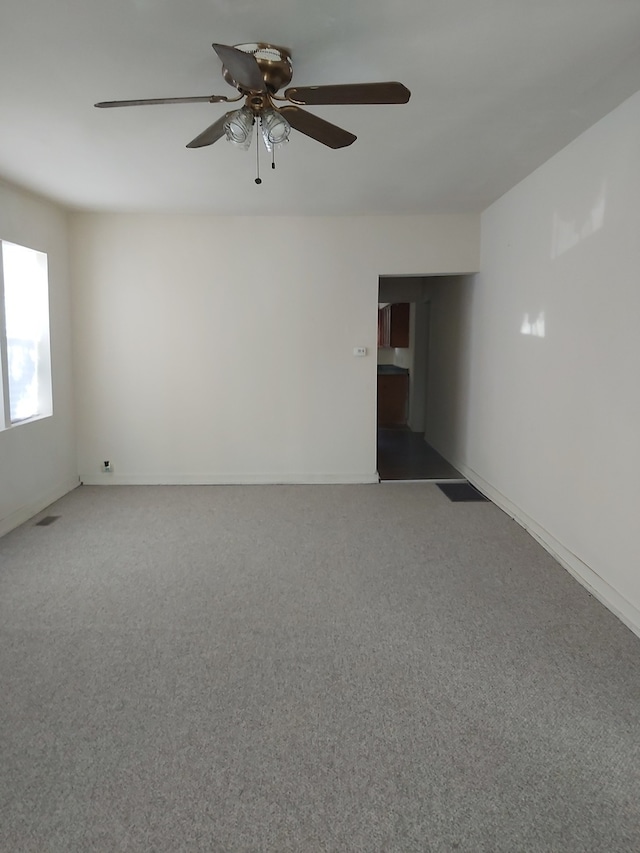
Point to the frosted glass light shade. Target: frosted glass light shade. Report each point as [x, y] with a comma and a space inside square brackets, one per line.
[275, 129]
[239, 127]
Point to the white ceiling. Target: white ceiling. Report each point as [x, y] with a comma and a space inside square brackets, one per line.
[497, 86]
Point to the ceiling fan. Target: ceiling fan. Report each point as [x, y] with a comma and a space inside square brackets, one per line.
[258, 71]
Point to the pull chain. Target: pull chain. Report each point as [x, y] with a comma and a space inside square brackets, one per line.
[273, 156]
[258, 178]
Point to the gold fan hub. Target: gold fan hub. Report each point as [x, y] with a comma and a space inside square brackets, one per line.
[274, 63]
[258, 103]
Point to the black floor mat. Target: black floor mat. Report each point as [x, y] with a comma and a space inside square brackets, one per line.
[461, 492]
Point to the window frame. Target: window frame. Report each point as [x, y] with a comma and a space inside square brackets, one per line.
[45, 379]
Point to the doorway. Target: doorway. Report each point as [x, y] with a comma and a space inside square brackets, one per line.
[404, 318]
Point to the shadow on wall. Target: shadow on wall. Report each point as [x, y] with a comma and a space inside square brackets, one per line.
[451, 299]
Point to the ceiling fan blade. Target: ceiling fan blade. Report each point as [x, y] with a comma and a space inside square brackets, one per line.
[212, 134]
[242, 66]
[203, 99]
[350, 93]
[317, 128]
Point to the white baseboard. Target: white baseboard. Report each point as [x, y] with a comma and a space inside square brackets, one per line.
[113, 478]
[584, 574]
[436, 480]
[24, 513]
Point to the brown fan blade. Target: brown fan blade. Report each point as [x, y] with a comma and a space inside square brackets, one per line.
[242, 66]
[350, 93]
[317, 128]
[212, 134]
[203, 99]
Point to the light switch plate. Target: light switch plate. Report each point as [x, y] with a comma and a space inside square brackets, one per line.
[359, 351]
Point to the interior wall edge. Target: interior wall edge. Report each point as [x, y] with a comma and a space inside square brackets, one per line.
[597, 586]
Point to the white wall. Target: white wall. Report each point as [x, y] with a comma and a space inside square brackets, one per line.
[448, 360]
[419, 372]
[547, 393]
[38, 459]
[213, 349]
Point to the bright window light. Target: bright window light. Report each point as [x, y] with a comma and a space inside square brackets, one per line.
[24, 334]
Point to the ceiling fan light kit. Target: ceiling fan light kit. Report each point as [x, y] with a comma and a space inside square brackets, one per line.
[258, 71]
[275, 129]
[238, 127]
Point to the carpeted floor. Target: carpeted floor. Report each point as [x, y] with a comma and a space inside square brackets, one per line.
[307, 668]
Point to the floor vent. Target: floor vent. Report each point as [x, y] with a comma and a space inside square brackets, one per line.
[461, 492]
[47, 520]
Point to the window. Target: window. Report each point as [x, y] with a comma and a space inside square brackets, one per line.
[25, 357]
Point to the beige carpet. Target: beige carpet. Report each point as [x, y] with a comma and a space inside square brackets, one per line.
[307, 668]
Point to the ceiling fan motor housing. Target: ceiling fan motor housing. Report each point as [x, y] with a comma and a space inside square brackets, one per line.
[274, 63]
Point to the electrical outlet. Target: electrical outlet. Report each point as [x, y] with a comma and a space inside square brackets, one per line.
[106, 466]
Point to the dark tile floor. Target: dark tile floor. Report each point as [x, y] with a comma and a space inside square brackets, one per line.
[405, 455]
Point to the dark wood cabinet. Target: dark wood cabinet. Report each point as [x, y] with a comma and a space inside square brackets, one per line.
[393, 398]
[393, 325]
